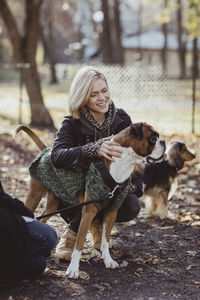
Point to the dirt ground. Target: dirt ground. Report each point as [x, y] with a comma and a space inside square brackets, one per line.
[159, 259]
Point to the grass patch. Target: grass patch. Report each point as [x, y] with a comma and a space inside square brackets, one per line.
[7, 75]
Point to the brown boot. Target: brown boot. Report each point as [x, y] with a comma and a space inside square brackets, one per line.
[66, 244]
[96, 231]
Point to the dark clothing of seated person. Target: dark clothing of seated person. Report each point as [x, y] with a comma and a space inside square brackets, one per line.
[25, 242]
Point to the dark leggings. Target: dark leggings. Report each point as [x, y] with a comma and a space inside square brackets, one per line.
[128, 211]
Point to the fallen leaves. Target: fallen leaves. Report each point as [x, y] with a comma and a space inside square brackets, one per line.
[73, 288]
[139, 234]
[130, 223]
[192, 218]
[123, 264]
[57, 273]
[164, 294]
[190, 267]
[102, 286]
[138, 247]
[62, 273]
[142, 261]
[83, 275]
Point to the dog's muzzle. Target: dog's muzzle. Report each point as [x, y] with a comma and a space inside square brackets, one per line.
[158, 153]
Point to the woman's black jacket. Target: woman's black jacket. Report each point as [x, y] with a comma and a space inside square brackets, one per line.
[15, 254]
[73, 134]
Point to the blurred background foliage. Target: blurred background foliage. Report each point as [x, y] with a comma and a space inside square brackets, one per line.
[148, 50]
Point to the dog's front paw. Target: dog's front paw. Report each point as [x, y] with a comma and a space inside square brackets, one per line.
[72, 272]
[73, 269]
[111, 264]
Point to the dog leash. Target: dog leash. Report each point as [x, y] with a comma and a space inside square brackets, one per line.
[110, 195]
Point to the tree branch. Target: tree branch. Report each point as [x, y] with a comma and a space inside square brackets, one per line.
[32, 13]
[11, 27]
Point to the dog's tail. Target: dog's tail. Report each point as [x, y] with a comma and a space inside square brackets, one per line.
[32, 135]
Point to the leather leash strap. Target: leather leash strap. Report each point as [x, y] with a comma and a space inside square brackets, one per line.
[110, 195]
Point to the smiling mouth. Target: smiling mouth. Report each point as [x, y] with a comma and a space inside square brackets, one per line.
[102, 104]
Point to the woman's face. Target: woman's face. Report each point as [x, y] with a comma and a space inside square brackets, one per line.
[99, 100]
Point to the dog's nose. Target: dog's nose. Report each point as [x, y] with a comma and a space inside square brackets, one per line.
[162, 142]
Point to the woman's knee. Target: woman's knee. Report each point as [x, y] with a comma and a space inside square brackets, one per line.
[129, 209]
[135, 204]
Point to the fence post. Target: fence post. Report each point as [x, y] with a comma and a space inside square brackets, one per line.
[20, 94]
[193, 98]
[195, 74]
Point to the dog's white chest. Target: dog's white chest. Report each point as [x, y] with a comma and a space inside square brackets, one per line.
[123, 166]
[173, 188]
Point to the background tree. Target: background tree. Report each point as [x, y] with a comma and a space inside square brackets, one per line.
[106, 41]
[193, 26]
[48, 38]
[111, 45]
[164, 30]
[24, 48]
[139, 30]
[181, 39]
[118, 49]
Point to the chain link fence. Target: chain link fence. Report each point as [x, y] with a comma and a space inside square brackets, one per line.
[170, 104]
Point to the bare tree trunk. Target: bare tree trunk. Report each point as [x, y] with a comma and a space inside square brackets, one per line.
[119, 58]
[25, 52]
[139, 31]
[107, 48]
[48, 41]
[164, 49]
[195, 59]
[44, 44]
[39, 114]
[1, 52]
[52, 49]
[181, 44]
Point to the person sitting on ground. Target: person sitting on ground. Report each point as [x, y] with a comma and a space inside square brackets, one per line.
[25, 242]
[84, 135]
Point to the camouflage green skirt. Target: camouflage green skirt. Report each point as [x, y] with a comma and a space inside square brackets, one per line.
[66, 183]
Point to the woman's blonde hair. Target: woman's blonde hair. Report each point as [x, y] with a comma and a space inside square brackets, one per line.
[81, 89]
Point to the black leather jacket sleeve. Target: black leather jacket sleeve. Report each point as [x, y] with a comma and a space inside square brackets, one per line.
[65, 153]
[69, 149]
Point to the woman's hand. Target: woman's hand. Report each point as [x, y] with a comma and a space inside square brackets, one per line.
[108, 149]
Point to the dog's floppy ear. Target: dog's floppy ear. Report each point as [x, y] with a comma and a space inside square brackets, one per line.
[136, 130]
[179, 163]
[174, 156]
[1, 187]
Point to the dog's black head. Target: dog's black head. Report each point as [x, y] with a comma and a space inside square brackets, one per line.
[177, 154]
